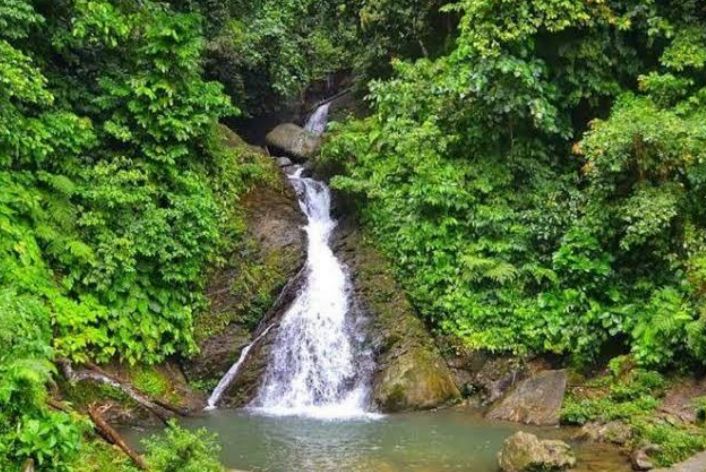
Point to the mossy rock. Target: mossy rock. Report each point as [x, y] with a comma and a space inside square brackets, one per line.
[411, 373]
[243, 288]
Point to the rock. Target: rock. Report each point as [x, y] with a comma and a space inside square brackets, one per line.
[294, 140]
[484, 375]
[536, 400]
[641, 459]
[271, 252]
[497, 376]
[218, 353]
[696, 463]
[615, 432]
[524, 452]
[412, 377]
[411, 374]
[283, 161]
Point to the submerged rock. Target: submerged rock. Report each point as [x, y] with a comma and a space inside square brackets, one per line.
[294, 141]
[641, 457]
[410, 372]
[536, 400]
[615, 432]
[524, 452]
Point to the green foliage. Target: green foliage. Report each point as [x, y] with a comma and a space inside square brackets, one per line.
[269, 52]
[677, 444]
[111, 170]
[99, 456]
[149, 381]
[179, 450]
[28, 430]
[465, 173]
[617, 397]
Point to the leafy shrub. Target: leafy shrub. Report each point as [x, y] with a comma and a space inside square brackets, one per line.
[179, 450]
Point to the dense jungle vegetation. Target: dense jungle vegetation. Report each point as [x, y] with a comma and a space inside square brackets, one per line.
[535, 169]
[540, 184]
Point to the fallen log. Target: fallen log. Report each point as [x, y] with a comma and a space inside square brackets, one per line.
[160, 409]
[113, 437]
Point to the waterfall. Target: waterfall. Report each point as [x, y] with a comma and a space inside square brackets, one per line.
[317, 365]
[318, 120]
[229, 376]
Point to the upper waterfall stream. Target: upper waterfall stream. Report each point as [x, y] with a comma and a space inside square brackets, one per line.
[319, 119]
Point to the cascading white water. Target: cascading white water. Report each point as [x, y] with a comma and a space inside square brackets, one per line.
[318, 120]
[317, 367]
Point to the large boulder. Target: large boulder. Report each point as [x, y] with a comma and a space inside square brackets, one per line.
[410, 372]
[497, 376]
[294, 140]
[524, 452]
[536, 400]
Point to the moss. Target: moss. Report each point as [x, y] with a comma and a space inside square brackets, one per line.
[252, 290]
[149, 380]
[82, 394]
[395, 398]
[97, 456]
[204, 385]
[239, 260]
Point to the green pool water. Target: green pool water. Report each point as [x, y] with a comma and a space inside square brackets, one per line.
[449, 440]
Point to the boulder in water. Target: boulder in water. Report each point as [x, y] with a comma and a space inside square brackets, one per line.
[294, 140]
[524, 452]
[536, 400]
[615, 432]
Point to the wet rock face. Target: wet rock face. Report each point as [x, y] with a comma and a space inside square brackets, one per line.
[410, 372]
[524, 452]
[536, 400]
[270, 254]
[218, 353]
[294, 140]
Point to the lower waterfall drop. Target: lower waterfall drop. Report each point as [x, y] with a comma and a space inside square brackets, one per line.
[317, 365]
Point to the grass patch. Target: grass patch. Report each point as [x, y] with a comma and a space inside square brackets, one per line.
[633, 396]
